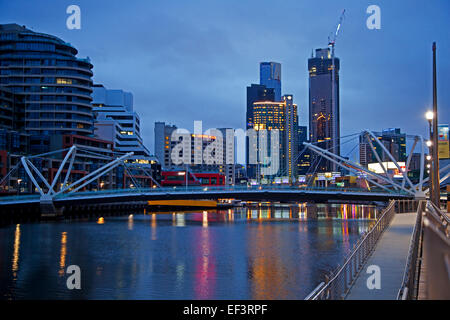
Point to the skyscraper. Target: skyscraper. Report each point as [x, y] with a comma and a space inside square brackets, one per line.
[270, 76]
[324, 124]
[291, 137]
[56, 85]
[282, 116]
[255, 93]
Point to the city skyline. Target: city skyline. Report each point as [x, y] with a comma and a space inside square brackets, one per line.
[230, 54]
[211, 157]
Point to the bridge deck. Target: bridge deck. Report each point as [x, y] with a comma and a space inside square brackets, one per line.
[390, 255]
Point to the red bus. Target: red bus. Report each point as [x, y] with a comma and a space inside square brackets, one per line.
[178, 178]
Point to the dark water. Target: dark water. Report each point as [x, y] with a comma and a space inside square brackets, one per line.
[265, 252]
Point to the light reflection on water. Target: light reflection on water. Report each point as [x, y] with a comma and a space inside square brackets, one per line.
[264, 251]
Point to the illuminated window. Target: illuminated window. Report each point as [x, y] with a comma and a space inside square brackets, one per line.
[63, 81]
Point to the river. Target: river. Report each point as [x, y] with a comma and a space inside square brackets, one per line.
[266, 251]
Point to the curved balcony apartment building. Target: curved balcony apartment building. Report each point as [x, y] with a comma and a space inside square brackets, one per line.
[55, 84]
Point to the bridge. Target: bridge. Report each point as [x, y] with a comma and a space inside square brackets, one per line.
[409, 231]
[53, 197]
[408, 250]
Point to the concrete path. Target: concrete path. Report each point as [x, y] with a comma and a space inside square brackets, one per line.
[390, 255]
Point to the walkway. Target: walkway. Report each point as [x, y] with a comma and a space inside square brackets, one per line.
[390, 255]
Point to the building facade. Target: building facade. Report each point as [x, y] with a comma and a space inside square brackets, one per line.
[392, 139]
[54, 83]
[255, 93]
[201, 157]
[324, 123]
[281, 116]
[116, 120]
[270, 77]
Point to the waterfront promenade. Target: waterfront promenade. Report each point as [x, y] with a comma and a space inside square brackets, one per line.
[390, 254]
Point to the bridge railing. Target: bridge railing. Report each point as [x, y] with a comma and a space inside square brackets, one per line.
[408, 289]
[338, 284]
[203, 189]
[430, 244]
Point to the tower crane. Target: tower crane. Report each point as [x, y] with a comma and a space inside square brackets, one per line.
[335, 120]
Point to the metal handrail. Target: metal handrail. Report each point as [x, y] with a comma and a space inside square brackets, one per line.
[408, 289]
[439, 212]
[341, 281]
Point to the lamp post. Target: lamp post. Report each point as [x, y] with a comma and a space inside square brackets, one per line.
[429, 115]
[435, 156]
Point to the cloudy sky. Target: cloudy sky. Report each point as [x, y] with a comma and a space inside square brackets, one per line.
[192, 60]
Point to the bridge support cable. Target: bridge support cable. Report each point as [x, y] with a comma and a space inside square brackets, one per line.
[355, 171]
[69, 169]
[144, 170]
[440, 181]
[392, 159]
[10, 173]
[130, 174]
[31, 176]
[441, 170]
[317, 160]
[95, 174]
[366, 135]
[58, 173]
[408, 160]
[332, 157]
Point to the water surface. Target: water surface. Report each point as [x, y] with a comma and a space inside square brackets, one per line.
[263, 252]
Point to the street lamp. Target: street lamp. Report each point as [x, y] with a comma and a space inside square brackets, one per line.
[19, 181]
[429, 115]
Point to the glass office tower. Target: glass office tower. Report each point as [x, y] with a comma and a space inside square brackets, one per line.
[324, 126]
[270, 76]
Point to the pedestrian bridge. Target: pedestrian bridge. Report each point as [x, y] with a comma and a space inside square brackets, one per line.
[256, 193]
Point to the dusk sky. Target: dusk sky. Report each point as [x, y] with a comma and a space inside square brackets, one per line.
[192, 60]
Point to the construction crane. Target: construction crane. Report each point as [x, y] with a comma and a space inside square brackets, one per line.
[335, 123]
[333, 36]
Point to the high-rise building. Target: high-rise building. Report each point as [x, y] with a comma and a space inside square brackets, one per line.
[55, 84]
[392, 139]
[324, 125]
[255, 93]
[163, 134]
[200, 160]
[282, 116]
[291, 138]
[270, 76]
[302, 135]
[115, 120]
[303, 161]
